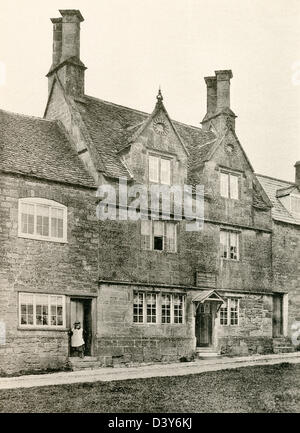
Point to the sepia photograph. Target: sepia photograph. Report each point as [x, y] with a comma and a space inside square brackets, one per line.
[149, 210]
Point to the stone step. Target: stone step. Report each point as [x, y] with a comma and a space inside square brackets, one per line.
[205, 349]
[88, 362]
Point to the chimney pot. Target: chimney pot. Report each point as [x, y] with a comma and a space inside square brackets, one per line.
[57, 41]
[211, 101]
[297, 173]
[223, 88]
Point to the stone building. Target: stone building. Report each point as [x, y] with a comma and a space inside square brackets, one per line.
[145, 290]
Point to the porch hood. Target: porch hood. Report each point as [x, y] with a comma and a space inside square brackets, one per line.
[208, 295]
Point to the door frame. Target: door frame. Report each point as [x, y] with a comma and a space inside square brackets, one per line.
[93, 301]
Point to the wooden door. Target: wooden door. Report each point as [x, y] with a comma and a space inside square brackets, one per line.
[204, 320]
[277, 316]
[81, 311]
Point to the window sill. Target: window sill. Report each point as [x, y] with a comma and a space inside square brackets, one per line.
[40, 238]
[41, 328]
[230, 260]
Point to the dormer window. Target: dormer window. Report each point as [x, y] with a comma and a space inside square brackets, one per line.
[42, 219]
[229, 185]
[159, 169]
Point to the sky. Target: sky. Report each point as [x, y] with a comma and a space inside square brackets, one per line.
[131, 47]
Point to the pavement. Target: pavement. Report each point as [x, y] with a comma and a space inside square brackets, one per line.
[155, 370]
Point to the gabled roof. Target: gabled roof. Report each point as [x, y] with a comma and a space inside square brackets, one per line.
[208, 295]
[37, 147]
[112, 127]
[271, 187]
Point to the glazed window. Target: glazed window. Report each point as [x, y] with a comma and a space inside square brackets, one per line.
[144, 307]
[40, 310]
[159, 236]
[229, 242]
[42, 219]
[229, 185]
[229, 312]
[159, 170]
[164, 308]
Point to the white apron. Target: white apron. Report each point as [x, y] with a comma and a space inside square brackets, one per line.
[77, 337]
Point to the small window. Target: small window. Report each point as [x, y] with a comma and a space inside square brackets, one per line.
[41, 310]
[229, 312]
[229, 243]
[229, 185]
[295, 204]
[42, 219]
[159, 235]
[159, 170]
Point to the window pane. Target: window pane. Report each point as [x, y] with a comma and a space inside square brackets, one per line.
[224, 190]
[151, 308]
[234, 308]
[224, 313]
[224, 244]
[138, 303]
[146, 228]
[234, 186]
[166, 309]
[27, 218]
[153, 169]
[233, 246]
[26, 309]
[41, 310]
[42, 220]
[171, 237]
[158, 228]
[165, 171]
[56, 223]
[178, 308]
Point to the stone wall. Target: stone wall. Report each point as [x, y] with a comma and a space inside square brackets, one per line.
[286, 267]
[43, 267]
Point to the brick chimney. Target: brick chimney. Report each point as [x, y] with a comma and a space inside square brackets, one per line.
[219, 115]
[297, 173]
[66, 63]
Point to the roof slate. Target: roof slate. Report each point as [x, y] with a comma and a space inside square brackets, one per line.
[40, 148]
[271, 186]
[112, 126]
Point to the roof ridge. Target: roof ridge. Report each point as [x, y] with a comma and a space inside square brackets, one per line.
[275, 178]
[27, 116]
[142, 112]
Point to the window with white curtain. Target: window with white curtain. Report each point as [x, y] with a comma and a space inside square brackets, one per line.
[229, 244]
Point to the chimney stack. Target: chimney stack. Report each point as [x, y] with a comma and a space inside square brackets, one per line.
[211, 102]
[66, 63]
[71, 20]
[219, 116]
[297, 173]
[57, 40]
[223, 89]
